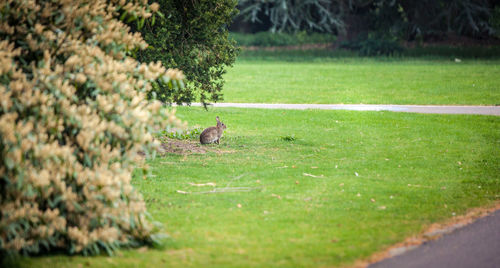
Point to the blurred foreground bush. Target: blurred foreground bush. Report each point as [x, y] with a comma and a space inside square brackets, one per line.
[73, 117]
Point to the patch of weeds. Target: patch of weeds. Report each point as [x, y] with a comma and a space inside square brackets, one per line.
[288, 138]
[189, 134]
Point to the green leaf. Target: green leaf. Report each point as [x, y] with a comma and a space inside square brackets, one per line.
[140, 23]
[122, 17]
[59, 18]
[9, 163]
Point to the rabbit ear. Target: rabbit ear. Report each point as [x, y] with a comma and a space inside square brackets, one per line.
[217, 118]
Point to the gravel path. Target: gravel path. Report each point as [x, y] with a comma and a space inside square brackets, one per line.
[428, 109]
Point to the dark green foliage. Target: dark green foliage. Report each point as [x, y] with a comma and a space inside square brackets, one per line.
[268, 39]
[288, 138]
[375, 45]
[472, 52]
[191, 36]
[327, 55]
[495, 20]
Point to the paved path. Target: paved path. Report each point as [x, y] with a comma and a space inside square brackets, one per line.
[475, 245]
[433, 109]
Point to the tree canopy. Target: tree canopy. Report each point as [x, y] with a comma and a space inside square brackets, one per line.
[405, 19]
[191, 36]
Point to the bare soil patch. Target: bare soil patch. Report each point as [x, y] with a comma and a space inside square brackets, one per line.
[186, 147]
[175, 146]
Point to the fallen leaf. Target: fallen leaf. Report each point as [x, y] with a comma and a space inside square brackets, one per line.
[459, 163]
[142, 249]
[341, 184]
[443, 188]
[293, 166]
[356, 173]
[276, 195]
[311, 175]
[335, 240]
[266, 212]
[372, 200]
[314, 167]
[202, 184]
[239, 205]
[308, 199]
[182, 192]
[358, 195]
[336, 166]
[283, 167]
[257, 181]
[296, 182]
[382, 207]
[391, 197]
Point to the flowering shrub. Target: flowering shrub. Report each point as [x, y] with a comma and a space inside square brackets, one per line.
[73, 116]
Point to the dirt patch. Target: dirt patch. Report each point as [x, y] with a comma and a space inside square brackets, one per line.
[175, 146]
[434, 231]
[185, 147]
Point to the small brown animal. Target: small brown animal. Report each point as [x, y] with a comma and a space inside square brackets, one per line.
[212, 134]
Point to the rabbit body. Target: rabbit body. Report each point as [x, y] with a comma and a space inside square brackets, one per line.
[212, 134]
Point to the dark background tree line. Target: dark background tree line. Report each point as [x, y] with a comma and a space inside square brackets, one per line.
[405, 19]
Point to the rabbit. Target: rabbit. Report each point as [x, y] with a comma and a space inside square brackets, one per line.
[212, 134]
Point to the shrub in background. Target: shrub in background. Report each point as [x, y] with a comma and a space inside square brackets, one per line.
[267, 39]
[191, 36]
[375, 45]
[73, 116]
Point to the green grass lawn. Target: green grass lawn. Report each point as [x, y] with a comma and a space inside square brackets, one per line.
[362, 80]
[380, 177]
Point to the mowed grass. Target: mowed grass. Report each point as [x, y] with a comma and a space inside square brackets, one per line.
[380, 177]
[364, 80]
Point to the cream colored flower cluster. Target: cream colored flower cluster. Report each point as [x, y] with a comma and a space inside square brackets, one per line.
[73, 117]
